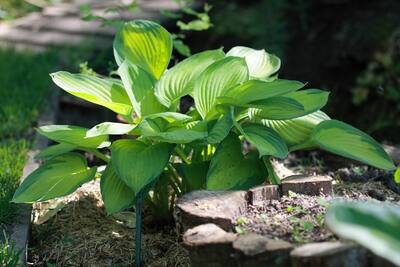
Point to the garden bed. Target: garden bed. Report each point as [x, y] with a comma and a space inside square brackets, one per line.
[78, 231]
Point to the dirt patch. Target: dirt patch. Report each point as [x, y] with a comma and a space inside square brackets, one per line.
[300, 218]
[81, 234]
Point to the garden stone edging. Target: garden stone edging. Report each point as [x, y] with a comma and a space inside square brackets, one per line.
[19, 230]
[206, 217]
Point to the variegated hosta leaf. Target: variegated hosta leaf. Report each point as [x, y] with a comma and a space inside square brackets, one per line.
[145, 44]
[298, 130]
[137, 163]
[110, 128]
[105, 92]
[215, 81]
[266, 140]
[57, 177]
[345, 140]
[289, 106]
[179, 80]
[161, 130]
[116, 195]
[230, 170]
[73, 135]
[260, 63]
[170, 117]
[254, 90]
[55, 150]
[372, 225]
[139, 86]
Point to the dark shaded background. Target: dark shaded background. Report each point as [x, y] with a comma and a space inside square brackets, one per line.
[349, 47]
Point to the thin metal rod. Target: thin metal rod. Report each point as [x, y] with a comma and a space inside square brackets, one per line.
[138, 230]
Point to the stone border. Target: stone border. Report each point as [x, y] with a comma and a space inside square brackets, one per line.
[19, 231]
[207, 220]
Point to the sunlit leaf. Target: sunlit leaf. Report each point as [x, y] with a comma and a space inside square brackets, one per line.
[345, 140]
[137, 163]
[139, 86]
[179, 80]
[110, 128]
[372, 225]
[105, 92]
[260, 63]
[216, 80]
[397, 175]
[58, 177]
[230, 170]
[254, 90]
[73, 135]
[116, 195]
[289, 106]
[145, 44]
[298, 130]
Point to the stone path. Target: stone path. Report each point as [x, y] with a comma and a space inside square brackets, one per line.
[62, 25]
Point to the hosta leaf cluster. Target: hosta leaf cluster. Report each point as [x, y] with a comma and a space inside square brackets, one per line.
[243, 115]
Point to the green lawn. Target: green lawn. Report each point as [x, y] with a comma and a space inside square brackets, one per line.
[24, 83]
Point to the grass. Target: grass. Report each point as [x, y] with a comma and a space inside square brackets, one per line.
[9, 256]
[24, 83]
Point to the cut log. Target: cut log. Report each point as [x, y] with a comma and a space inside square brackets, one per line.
[209, 245]
[329, 254]
[307, 185]
[219, 207]
[256, 250]
[260, 194]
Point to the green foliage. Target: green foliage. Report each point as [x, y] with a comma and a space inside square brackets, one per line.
[372, 225]
[9, 256]
[160, 141]
[12, 160]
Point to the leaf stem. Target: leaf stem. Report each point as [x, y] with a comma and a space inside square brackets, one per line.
[272, 176]
[182, 154]
[99, 155]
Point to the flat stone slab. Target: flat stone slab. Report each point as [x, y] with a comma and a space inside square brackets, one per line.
[329, 254]
[260, 194]
[256, 250]
[394, 152]
[200, 207]
[307, 185]
[209, 245]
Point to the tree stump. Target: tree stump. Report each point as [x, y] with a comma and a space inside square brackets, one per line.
[258, 195]
[307, 185]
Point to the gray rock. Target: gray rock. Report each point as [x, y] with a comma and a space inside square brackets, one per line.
[308, 185]
[218, 207]
[209, 245]
[256, 250]
[329, 254]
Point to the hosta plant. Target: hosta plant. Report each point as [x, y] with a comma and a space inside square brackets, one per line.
[243, 115]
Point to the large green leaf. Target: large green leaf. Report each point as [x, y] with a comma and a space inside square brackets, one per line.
[219, 129]
[298, 130]
[110, 128]
[139, 86]
[260, 63]
[345, 140]
[116, 194]
[397, 175]
[193, 175]
[161, 130]
[266, 140]
[58, 177]
[230, 170]
[254, 90]
[179, 80]
[289, 106]
[137, 163]
[105, 92]
[73, 135]
[216, 80]
[372, 225]
[145, 44]
[55, 150]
